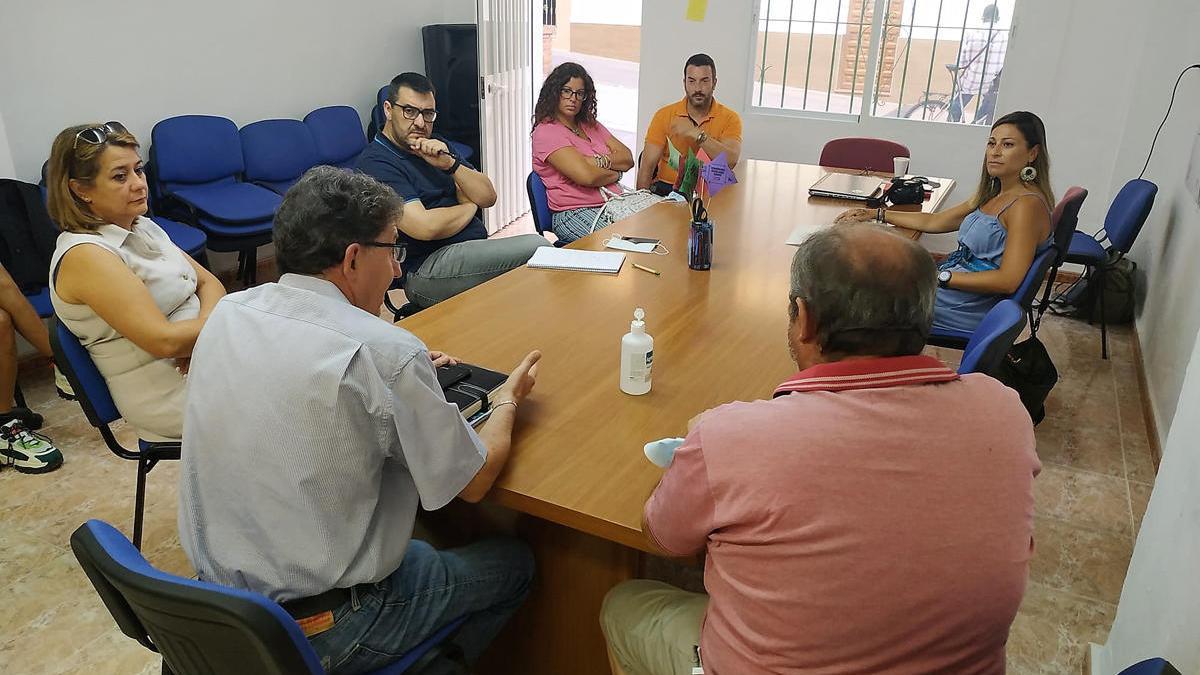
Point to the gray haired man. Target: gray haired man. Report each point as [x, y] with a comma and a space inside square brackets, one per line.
[875, 515]
[313, 430]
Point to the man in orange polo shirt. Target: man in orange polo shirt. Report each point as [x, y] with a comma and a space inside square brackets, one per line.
[694, 123]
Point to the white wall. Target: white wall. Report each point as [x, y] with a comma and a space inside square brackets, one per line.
[72, 61]
[1160, 601]
[6, 163]
[1159, 610]
[1168, 248]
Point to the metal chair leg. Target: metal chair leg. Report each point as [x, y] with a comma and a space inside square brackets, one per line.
[1103, 321]
[139, 502]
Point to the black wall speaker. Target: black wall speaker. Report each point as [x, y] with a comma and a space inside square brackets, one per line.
[452, 64]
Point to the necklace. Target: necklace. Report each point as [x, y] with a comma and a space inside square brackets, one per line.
[578, 131]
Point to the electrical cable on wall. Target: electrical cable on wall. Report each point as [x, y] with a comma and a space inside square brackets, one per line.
[1164, 120]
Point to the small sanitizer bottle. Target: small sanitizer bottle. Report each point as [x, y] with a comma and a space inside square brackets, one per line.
[637, 356]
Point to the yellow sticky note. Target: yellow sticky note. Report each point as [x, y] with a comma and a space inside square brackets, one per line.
[696, 10]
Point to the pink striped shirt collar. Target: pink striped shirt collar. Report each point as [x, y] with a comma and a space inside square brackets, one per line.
[891, 371]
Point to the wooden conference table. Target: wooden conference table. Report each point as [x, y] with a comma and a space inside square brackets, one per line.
[577, 464]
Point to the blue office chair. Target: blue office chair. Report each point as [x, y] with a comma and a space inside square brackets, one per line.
[277, 153]
[993, 338]
[197, 176]
[543, 218]
[958, 339]
[40, 299]
[1126, 215]
[338, 134]
[92, 393]
[202, 628]
[378, 119]
[1154, 666]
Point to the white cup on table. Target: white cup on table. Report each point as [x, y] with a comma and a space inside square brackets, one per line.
[900, 166]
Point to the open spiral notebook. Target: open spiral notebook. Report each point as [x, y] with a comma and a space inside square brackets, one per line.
[551, 258]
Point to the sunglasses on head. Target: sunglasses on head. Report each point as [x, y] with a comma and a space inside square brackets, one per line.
[100, 134]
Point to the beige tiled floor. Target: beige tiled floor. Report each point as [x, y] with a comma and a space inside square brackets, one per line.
[1090, 498]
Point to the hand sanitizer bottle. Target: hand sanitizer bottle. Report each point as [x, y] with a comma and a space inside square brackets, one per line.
[637, 356]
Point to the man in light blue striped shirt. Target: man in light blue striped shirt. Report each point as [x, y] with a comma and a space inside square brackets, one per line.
[313, 430]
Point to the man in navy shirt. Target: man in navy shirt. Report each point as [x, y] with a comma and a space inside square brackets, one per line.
[448, 248]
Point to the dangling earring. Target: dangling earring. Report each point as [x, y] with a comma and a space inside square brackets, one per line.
[1028, 174]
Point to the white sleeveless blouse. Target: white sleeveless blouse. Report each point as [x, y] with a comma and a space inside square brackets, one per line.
[148, 391]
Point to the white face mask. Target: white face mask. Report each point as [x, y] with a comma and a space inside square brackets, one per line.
[616, 242]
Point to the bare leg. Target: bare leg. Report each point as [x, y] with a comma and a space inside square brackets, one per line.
[8, 361]
[21, 314]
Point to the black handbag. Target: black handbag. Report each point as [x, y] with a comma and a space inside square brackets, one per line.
[1028, 369]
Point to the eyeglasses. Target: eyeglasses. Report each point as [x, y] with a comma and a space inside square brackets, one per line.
[97, 135]
[399, 250]
[410, 112]
[567, 92]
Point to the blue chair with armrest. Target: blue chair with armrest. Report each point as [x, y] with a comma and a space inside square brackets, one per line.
[993, 338]
[201, 628]
[1126, 215]
[91, 391]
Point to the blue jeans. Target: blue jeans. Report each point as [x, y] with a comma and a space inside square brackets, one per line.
[485, 581]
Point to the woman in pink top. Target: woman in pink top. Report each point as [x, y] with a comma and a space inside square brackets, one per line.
[574, 154]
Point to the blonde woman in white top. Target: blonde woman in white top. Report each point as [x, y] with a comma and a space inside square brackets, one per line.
[133, 298]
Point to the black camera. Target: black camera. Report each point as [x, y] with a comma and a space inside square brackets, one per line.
[908, 190]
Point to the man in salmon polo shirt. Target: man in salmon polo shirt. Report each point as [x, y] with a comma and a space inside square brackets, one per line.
[874, 516]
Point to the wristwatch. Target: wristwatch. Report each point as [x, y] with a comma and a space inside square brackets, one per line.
[453, 167]
[944, 278]
[703, 136]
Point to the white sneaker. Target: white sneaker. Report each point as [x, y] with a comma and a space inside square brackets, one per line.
[26, 451]
[62, 385]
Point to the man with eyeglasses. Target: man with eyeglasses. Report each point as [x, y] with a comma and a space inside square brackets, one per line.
[313, 431]
[448, 248]
[698, 122]
[874, 515]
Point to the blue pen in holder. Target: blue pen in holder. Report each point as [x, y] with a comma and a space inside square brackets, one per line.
[700, 238]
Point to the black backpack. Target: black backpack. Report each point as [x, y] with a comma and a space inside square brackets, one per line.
[27, 235]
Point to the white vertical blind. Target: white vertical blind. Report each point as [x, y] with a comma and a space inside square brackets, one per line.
[506, 68]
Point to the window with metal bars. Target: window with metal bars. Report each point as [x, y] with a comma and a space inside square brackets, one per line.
[933, 60]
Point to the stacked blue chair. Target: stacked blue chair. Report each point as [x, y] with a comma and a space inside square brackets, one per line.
[277, 153]
[992, 339]
[94, 397]
[1126, 215]
[338, 135]
[202, 628]
[189, 239]
[198, 170]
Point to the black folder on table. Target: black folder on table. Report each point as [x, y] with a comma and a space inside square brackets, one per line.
[470, 388]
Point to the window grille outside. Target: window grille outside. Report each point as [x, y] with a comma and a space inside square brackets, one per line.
[934, 60]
